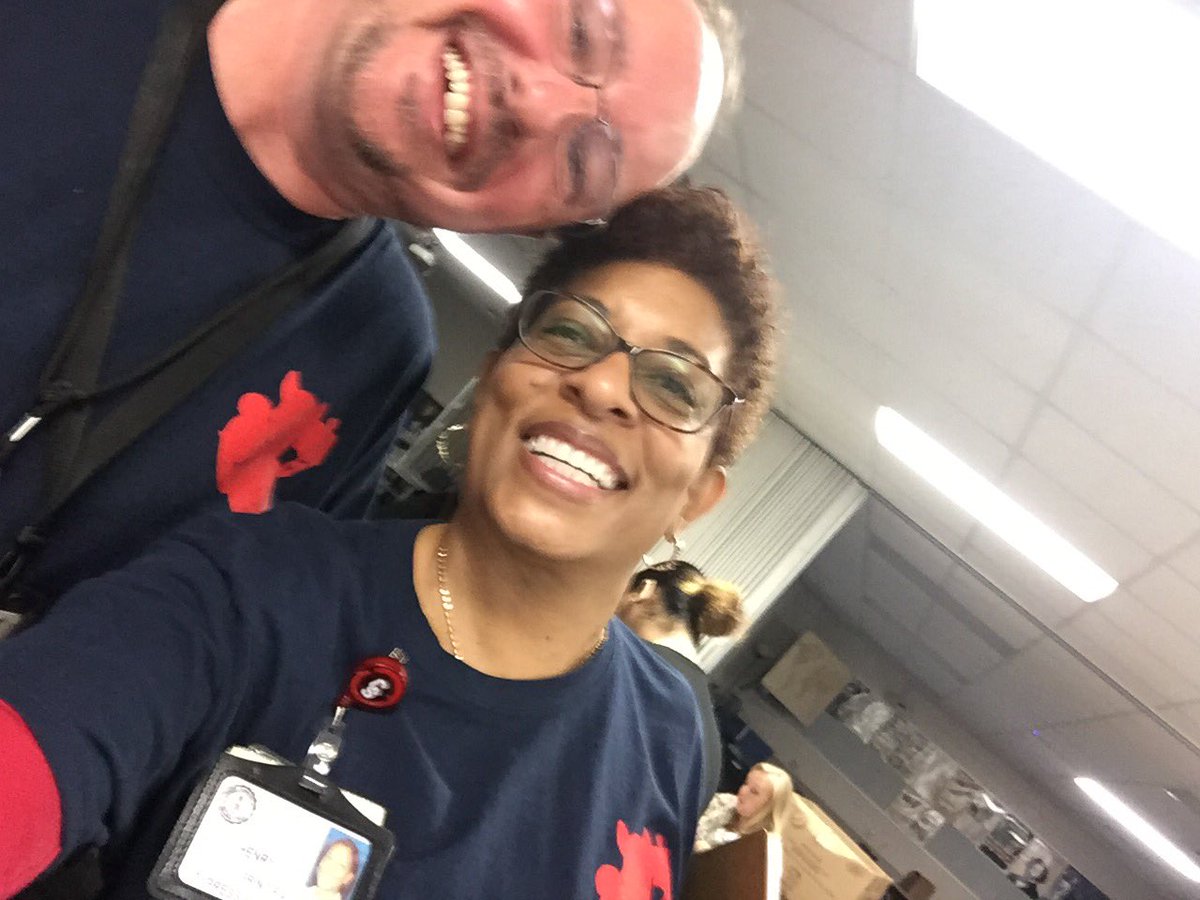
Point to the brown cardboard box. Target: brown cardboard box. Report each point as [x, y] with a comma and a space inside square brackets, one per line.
[806, 678]
[821, 862]
[747, 869]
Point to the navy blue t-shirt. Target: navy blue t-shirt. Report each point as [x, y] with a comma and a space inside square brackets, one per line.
[359, 346]
[243, 629]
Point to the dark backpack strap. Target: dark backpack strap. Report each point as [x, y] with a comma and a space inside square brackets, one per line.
[73, 368]
[69, 385]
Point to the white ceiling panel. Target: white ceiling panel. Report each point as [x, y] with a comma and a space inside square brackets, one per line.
[826, 88]
[1144, 752]
[892, 591]
[1107, 546]
[1043, 685]
[935, 674]
[1150, 312]
[1187, 560]
[986, 605]
[1149, 635]
[805, 201]
[1024, 582]
[948, 639]
[1039, 233]
[1174, 598]
[1122, 406]
[1129, 663]
[723, 151]
[1185, 717]
[916, 549]
[880, 25]
[954, 296]
[1108, 483]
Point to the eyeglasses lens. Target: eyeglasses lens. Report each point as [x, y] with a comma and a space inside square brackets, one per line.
[669, 388]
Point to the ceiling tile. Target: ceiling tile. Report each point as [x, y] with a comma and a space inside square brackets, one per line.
[1127, 748]
[1187, 560]
[1151, 313]
[1119, 404]
[1024, 582]
[1126, 661]
[723, 150]
[1041, 233]
[1185, 717]
[954, 297]
[893, 592]
[990, 608]
[1041, 686]
[1172, 596]
[824, 87]
[956, 646]
[884, 26]
[1153, 637]
[1107, 483]
[806, 202]
[905, 539]
[1110, 548]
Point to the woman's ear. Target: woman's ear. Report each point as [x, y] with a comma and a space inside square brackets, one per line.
[706, 491]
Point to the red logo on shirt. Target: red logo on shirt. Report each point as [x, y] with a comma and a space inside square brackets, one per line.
[265, 442]
[645, 865]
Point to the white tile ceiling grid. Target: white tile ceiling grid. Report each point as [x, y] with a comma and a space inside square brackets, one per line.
[933, 265]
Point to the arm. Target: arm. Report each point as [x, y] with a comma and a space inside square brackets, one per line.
[29, 806]
[104, 696]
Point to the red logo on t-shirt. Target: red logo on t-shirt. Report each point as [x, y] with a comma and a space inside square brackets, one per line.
[265, 442]
[645, 865]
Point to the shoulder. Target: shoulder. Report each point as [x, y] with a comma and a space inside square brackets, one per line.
[662, 691]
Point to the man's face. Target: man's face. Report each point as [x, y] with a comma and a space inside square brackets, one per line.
[464, 113]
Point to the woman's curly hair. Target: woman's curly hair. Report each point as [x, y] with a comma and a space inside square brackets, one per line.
[699, 232]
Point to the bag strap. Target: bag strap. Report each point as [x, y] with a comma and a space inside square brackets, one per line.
[69, 384]
[70, 376]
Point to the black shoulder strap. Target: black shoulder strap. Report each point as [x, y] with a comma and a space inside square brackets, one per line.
[69, 384]
[72, 371]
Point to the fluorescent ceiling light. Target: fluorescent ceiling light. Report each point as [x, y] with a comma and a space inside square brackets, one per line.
[994, 509]
[480, 267]
[1105, 90]
[1158, 842]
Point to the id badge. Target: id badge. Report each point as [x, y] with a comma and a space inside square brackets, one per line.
[258, 828]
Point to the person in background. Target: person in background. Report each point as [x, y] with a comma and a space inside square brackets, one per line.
[293, 117]
[537, 733]
[1036, 873]
[761, 802]
[672, 605]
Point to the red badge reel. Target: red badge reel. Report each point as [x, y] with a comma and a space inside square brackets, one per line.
[377, 684]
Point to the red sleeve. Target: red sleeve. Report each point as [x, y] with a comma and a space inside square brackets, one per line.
[29, 806]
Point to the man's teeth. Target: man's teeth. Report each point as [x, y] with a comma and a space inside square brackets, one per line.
[571, 462]
[457, 99]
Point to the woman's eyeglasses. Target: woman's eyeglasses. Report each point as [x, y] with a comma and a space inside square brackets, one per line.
[671, 388]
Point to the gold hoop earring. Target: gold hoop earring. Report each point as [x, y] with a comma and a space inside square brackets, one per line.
[446, 453]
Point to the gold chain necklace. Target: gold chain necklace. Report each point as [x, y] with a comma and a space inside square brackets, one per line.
[443, 555]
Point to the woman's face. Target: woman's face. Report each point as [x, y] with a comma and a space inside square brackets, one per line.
[754, 795]
[336, 868]
[538, 427]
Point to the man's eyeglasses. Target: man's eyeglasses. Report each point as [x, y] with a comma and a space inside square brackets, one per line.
[589, 154]
[672, 389]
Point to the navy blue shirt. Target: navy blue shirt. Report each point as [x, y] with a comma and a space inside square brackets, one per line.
[360, 345]
[243, 629]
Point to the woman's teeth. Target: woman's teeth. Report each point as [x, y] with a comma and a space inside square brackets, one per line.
[572, 462]
[457, 100]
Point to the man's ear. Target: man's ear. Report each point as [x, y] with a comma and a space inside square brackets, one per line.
[705, 492]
